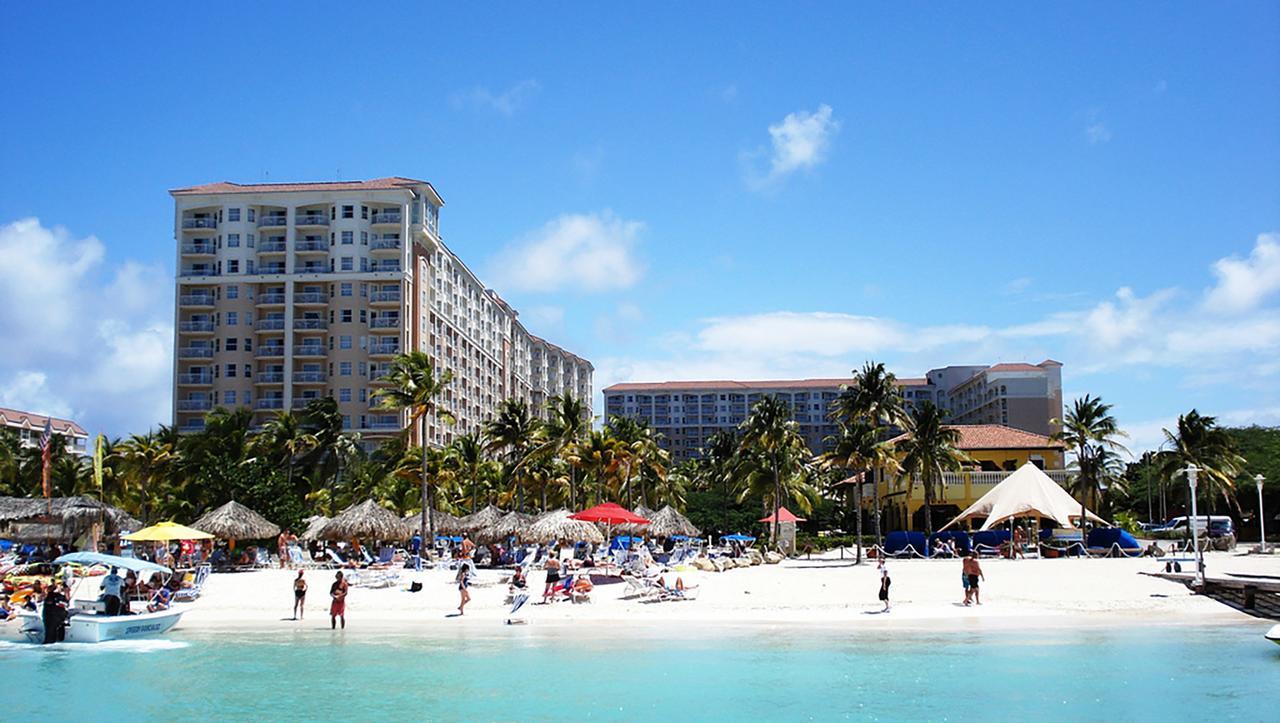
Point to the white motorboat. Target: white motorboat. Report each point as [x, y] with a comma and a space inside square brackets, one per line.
[86, 624]
[1274, 634]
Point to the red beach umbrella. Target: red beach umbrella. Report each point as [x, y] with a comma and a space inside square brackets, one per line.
[610, 514]
[784, 515]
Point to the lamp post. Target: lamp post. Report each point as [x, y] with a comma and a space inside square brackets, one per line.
[1262, 518]
[1192, 472]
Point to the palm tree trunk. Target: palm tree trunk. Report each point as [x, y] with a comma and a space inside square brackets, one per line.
[573, 487]
[426, 520]
[777, 497]
[875, 518]
[857, 501]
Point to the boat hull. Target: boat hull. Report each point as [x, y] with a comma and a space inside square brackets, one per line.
[88, 628]
[1274, 634]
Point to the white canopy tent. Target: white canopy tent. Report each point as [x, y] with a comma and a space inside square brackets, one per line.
[1027, 492]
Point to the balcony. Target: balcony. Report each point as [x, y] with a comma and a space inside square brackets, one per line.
[312, 269]
[385, 322]
[199, 249]
[271, 269]
[195, 380]
[194, 223]
[310, 297]
[270, 324]
[383, 425]
[194, 405]
[269, 350]
[384, 349]
[196, 300]
[199, 271]
[384, 297]
[311, 246]
[310, 350]
[272, 247]
[308, 377]
[269, 403]
[269, 378]
[385, 244]
[302, 402]
[385, 266]
[310, 324]
[311, 219]
[195, 352]
[274, 220]
[195, 326]
[386, 218]
[191, 426]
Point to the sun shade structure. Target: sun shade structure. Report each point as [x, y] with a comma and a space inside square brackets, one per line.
[234, 521]
[610, 514]
[314, 525]
[368, 520]
[666, 522]
[487, 517]
[784, 515]
[512, 523]
[1028, 492]
[446, 524]
[560, 525]
[165, 531]
[73, 514]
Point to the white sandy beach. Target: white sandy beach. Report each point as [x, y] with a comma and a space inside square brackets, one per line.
[925, 594]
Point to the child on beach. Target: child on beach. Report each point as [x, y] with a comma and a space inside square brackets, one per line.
[884, 584]
[464, 581]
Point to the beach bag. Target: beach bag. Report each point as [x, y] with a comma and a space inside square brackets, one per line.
[415, 587]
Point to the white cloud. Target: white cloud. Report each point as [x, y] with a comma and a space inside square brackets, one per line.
[588, 252]
[1244, 283]
[800, 141]
[85, 341]
[1097, 133]
[1018, 285]
[506, 102]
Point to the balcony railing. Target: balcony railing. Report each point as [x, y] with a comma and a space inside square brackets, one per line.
[308, 350]
[387, 218]
[269, 378]
[311, 219]
[385, 266]
[308, 377]
[377, 296]
[194, 379]
[195, 326]
[195, 352]
[302, 402]
[383, 322]
[194, 405]
[311, 246]
[310, 297]
[272, 220]
[196, 299]
[314, 269]
[206, 249]
[191, 426]
[305, 324]
[269, 403]
[199, 271]
[271, 297]
[199, 223]
[271, 269]
[384, 348]
[270, 350]
[383, 244]
[270, 325]
[382, 425]
[271, 247]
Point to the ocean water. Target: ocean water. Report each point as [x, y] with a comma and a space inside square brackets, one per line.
[776, 673]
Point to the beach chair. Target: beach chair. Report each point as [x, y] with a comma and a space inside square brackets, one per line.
[635, 586]
[262, 557]
[187, 594]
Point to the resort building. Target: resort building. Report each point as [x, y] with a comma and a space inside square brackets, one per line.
[1023, 396]
[287, 292]
[30, 428]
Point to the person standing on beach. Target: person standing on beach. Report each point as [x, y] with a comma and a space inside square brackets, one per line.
[468, 547]
[338, 608]
[299, 596]
[972, 573]
[464, 581]
[884, 584]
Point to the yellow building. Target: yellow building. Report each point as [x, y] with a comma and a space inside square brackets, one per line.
[996, 451]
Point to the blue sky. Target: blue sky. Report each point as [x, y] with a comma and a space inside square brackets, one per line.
[726, 190]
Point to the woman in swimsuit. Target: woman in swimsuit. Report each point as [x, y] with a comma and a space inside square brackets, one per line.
[299, 596]
[463, 580]
[553, 578]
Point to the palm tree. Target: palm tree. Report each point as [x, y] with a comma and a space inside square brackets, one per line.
[597, 457]
[146, 462]
[857, 449]
[718, 467]
[772, 435]
[565, 427]
[928, 452]
[1199, 440]
[873, 396]
[10, 461]
[515, 431]
[416, 387]
[1090, 432]
[640, 453]
[468, 453]
[284, 440]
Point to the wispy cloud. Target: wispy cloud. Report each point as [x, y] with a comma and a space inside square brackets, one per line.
[1097, 133]
[800, 141]
[506, 102]
[1244, 283]
[584, 252]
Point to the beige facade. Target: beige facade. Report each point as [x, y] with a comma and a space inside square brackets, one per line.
[30, 429]
[289, 292]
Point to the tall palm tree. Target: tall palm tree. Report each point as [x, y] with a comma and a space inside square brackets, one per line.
[146, 462]
[928, 452]
[1197, 439]
[1091, 432]
[597, 457]
[10, 461]
[565, 427]
[873, 396]
[857, 448]
[469, 455]
[718, 467]
[771, 434]
[516, 432]
[640, 455]
[416, 387]
[284, 440]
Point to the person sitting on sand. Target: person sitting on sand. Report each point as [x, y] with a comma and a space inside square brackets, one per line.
[973, 572]
[518, 580]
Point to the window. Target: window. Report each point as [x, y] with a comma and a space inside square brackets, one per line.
[364, 212]
[348, 212]
[248, 344]
[345, 288]
[333, 210]
[248, 397]
[363, 315]
[346, 421]
[344, 395]
[231, 370]
[233, 240]
[344, 368]
[252, 216]
[248, 266]
[233, 266]
[233, 292]
[229, 396]
[362, 372]
[364, 264]
[231, 343]
[249, 240]
[364, 394]
[344, 341]
[364, 238]
[232, 318]
[348, 263]
[233, 214]
[347, 238]
[346, 316]
[248, 373]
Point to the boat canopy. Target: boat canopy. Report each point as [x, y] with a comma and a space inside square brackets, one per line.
[97, 558]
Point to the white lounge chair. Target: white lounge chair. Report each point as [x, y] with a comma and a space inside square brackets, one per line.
[187, 594]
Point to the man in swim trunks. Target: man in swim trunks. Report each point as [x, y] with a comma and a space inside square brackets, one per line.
[553, 578]
[972, 573]
[338, 608]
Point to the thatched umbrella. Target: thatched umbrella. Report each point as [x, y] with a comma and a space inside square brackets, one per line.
[234, 521]
[558, 525]
[369, 520]
[482, 519]
[446, 524]
[512, 523]
[314, 525]
[74, 514]
[667, 522]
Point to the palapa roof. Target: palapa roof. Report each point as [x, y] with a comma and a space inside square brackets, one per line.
[446, 524]
[1028, 492]
[368, 520]
[667, 522]
[73, 513]
[512, 523]
[314, 525]
[487, 517]
[558, 525]
[234, 521]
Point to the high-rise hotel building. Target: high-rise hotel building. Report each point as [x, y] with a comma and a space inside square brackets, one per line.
[287, 292]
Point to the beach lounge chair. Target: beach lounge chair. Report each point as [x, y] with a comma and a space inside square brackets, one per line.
[676, 594]
[187, 594]
[262, 557]
[635, 586]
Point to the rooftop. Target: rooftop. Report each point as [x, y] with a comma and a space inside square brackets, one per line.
[28, 420]
[996, 436]
[390, 183]
[724, 385]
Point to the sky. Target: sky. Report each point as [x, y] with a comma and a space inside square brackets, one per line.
[684, 191]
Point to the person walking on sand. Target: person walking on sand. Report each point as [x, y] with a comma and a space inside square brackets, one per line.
[299, 596]
[338, 608]
[973, 573]
[282, 548]
[884, 584]
[464, 581]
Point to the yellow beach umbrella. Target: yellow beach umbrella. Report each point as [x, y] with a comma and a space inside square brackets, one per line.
[165, 531]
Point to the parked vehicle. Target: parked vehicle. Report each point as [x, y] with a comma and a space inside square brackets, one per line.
[1178, 527]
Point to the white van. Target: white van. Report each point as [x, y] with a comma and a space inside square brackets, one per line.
[1219, 526]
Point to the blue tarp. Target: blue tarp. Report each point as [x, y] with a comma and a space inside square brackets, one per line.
[899, 540]
[1106, 537]
[447, 538]
[681, 538]
[990, 538]
[739, 538]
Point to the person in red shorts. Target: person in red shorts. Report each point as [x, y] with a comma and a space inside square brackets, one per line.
[338, 608]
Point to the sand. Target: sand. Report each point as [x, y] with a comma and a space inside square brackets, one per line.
[926, 594]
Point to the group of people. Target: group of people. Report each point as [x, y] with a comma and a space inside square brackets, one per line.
[337, 599]
[971, 576]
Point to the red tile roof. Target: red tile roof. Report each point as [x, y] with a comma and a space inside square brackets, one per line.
[16, 418]
[1015, 367]
[377, 184]
[724, 384]
[997, 436]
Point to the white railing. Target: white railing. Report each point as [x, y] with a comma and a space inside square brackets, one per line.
[311, 220]
[308, 350]
[199, 223]
[387, 218]
[272, 220]
[195, 352]
[195, 326]
[306, 377]
[310, 324]
[384, 296]
[309, 297]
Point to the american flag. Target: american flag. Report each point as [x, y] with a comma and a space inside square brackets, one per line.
[46, 454]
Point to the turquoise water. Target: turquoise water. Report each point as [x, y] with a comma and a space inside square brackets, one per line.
[521, 673]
